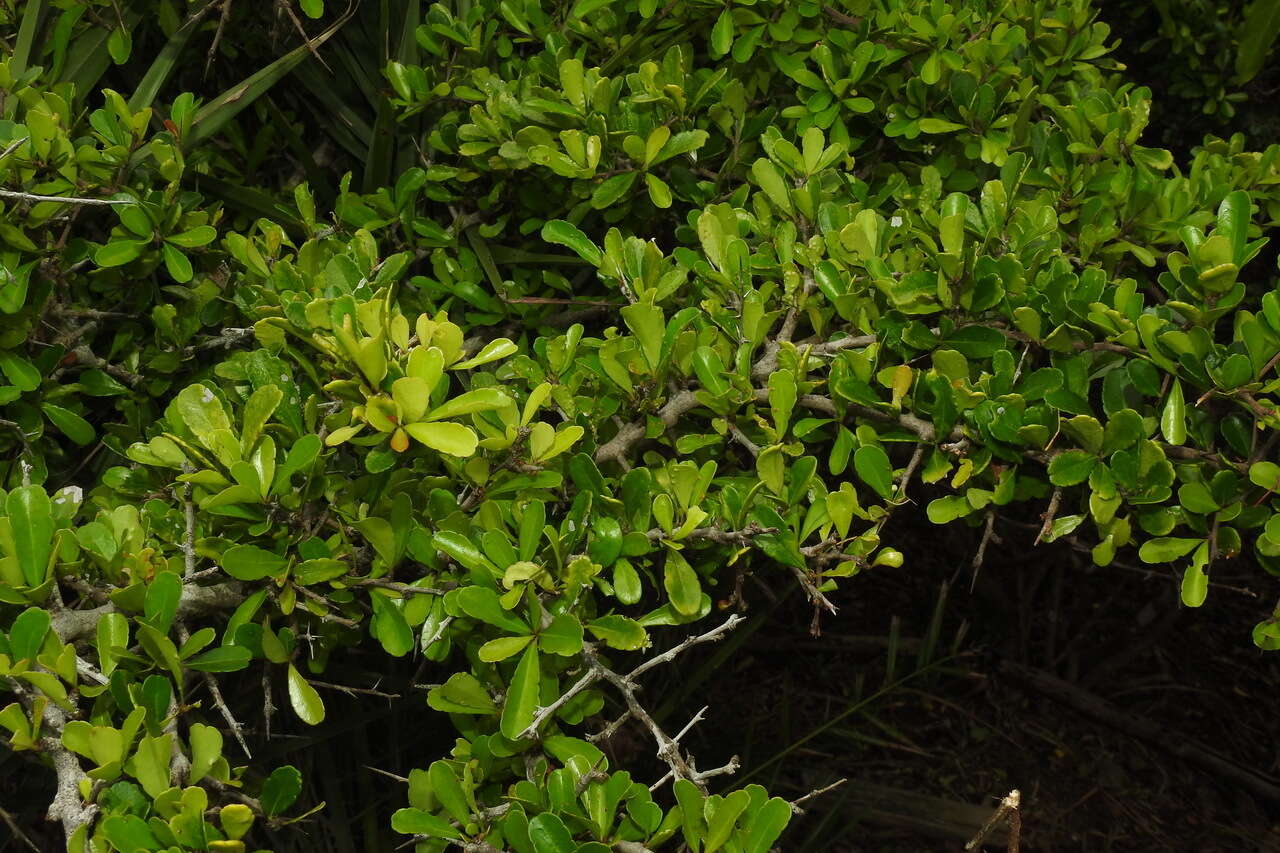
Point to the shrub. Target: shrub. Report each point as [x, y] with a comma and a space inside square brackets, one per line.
[612, 305]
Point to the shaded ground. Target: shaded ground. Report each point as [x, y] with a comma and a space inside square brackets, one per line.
[968, 729]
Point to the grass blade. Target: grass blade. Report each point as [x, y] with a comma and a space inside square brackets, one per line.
[166, 60]
[222, 109]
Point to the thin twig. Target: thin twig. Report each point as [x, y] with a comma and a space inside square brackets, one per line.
[1007, 810]
[63, 199]
[817, 792]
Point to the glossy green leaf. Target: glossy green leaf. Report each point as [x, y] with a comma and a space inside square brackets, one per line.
[304, 699]
[522, 695]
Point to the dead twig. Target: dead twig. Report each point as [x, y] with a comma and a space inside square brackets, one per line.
[1008, 810]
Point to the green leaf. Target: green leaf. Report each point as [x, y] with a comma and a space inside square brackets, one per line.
[119, 252]
[722, 33]
[1165, 549]
[492, 351]
[1071, 467]
[391, 628]
[129, 833]
[177, 264]
[646, 322]
[448, 790]
[619, 632]
[206, 749]
[461, 694]
[562, 637]
[445, 437]
[482, 603]
[280, 790]
[221, 659]
[549, 835]
[161, 605]
[479, 400]
[27, 633]
[566, 234]
[202, 413]
[251, 563]
[770, 180]
[606, 195]
[659, 192]
[1265, 475]
[522, 695]
[1257, 33]
[31, 519]
[766, 825]
[937, 125]
[418, 822]
[873, 467]
[681, 583]
[305, 700]
[503, 648]
[722, 815]
[1173, 418]
[20, 372]
[112, 637]
[70, 424]
[1195, 586]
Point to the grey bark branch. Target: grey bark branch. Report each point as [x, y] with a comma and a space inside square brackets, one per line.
[72, 625]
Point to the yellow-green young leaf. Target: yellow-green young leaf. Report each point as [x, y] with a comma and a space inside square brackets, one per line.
[771, 468]
[176, 264]
[461, 694]
[647, 323]
[1233, 223]
[119, 252]
[722, 34]
[566, 234]
[413, 395]
[451, 438]
[766, 825]
[31, 520]
[767, 176]
[251, 563]
[417, 822]
[258, 409]
[722, 815]
[151, 763]
[681, 583]
[873, 467]
[1173, 418]
[782, 399]
[206, 748]
[28, 632]
[502, 648]
[235, 820]
[113, 637]
[522, 695]
[479, 400]
[305, 700]
[392, 630]
[562, 440]
[659, 192]
[492, 351]
[1195, 586]
[619, 632]
[448, 790]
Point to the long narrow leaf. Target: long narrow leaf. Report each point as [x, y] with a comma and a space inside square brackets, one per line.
[88, 59]
[222, 109]
[166, 61]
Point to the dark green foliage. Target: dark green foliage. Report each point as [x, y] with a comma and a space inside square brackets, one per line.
[506, 336]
